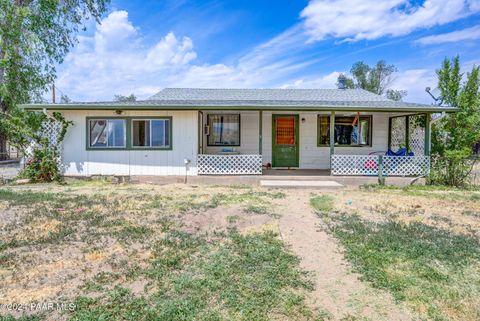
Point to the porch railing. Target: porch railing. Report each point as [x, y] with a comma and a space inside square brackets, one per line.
[244, 164]
[369, 165]
[406, 165]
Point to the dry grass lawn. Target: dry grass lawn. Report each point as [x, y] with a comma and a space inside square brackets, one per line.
[183, 252]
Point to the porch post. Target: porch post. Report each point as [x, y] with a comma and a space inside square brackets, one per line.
[260, 131]
[332, 138]
[428, 135]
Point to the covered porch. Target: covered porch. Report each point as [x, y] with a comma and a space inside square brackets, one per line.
[310, 143]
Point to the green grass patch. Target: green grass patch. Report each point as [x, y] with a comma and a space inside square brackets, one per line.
[322, 204]
[434, 271]
[256, 209]
[429, 191]
[249, 277]
[28, 197]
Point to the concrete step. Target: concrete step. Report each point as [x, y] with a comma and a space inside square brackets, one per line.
[300, 183]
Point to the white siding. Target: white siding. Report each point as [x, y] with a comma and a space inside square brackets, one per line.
[315, 157]
[78, 161]
[249, 126]
[311, 156]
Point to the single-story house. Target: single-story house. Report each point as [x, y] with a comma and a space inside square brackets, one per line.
[195, 131]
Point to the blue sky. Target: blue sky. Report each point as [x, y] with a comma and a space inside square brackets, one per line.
[143, 46]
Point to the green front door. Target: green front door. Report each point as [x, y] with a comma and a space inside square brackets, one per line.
[285, 141]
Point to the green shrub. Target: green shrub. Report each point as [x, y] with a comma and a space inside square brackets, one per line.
[452, 170]
[42, 167]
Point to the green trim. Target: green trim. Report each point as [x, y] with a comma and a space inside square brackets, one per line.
[370, 132]
[128, 133]
[407, 133]
[427, 149]
[260, 132]
[389, 132]
[381, 178]
[239, 131]
[131, 147]
[332, 137]
[407, 128]
[87, 133]
[297, 138]
[200, 132]
[238, 108]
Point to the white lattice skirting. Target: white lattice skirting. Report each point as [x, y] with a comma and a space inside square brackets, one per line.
[406, 165]
[367, 165]
[229, 164]
[355, 165]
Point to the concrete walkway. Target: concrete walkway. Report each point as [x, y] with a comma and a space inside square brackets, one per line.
[300, 183]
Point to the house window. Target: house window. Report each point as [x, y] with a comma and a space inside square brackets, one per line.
[224, 130]
[153, 133]
[349, 131]
[107, 133]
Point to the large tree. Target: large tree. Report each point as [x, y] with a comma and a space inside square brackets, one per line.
[461, 130]
[35, 36]
[376, 79]
[455, 135]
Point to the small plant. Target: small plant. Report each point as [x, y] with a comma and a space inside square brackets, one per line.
[256, 209]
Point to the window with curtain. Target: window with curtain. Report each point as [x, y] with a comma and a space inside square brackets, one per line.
[349, 130]
[107, 133]
[224, 130]
[151, 133]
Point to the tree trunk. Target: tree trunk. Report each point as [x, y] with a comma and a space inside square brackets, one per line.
[3, 109]
[3, 147]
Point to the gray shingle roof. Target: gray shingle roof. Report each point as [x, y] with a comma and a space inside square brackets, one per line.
[287, 95]
[256, 99]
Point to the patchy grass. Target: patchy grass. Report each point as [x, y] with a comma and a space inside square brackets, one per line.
[438, 192]
[124, 255]
[245, 278]
[17, 198]
[322, 204]
[434, 270]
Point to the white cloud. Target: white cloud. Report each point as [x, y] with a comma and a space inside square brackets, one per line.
[114, 32]
[414, 81]
[455, 36]
[354, 20]
[115, 60]
[326, 81]
[171, 51]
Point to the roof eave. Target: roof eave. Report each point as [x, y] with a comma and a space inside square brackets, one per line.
[130, 107]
